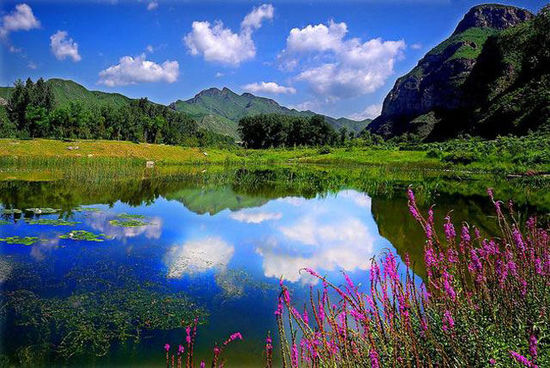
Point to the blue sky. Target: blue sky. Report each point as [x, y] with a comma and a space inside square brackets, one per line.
[337, 58]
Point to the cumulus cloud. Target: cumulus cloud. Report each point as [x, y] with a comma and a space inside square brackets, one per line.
[133, 70]
[198, 256]
[100, 221]
[20, 19]
[254, 19]
[370, 112]
[255, 217]
[217, 43]
[335, 67]
[152, 5]
[64, 47]
[268, 87]
[416, 46]
[345, 245]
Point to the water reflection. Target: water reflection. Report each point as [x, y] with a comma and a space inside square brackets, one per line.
[223, 239]
[198, 256]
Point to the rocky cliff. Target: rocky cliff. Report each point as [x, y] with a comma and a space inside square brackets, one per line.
[423, 100]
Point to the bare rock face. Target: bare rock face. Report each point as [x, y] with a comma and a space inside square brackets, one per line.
[435, 83]
[493, 16]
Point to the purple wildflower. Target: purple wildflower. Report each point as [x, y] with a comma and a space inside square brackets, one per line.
[166, 347]
[533, 347]
[522, 360]
[374, 363]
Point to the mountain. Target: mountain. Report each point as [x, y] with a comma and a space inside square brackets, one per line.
[490, 77]
[221, 110]
[65, 91]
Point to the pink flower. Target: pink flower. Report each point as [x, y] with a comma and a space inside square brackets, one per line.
[449, 228]
[448, 321]
[492, 361]
[533, 346]
[188, 332]
[181, 349]
[203, 365]
[166, 347]
[522, 360]
[374, 363]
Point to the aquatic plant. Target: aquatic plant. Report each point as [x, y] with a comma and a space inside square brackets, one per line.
[86, 209]
[484, 302]
[25, 240]
[130, 216]
[4, 222]
[52, 222]
[187, 361]
[10, 211]
[42, 211]
[128, 223]
[84, 235]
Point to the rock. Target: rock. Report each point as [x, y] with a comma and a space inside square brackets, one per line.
[204, 153]
[493, 16]
[150, 164]
[71, 148]
[435, 84]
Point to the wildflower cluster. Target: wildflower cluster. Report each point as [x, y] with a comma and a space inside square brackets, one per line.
[484, 302]
[180, 359]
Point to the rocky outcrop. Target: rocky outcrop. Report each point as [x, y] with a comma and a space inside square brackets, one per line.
[493, 16]
[434, 86]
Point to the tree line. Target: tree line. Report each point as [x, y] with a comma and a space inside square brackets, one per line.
[31, 112]
[275, 130]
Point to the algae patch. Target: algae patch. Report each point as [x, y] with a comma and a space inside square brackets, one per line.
[84, 235]
[25, 240]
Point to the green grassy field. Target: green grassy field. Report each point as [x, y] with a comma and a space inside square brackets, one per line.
[46, 149]
[52, 153]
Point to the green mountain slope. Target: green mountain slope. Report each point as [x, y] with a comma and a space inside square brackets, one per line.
[221, 110]
[465, 82]
[65, 91]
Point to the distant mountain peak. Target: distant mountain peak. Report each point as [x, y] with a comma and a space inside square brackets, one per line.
[493, 16]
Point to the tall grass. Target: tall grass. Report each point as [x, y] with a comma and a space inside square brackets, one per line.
[485, 302]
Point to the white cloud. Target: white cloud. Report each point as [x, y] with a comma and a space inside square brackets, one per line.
[219, 74]
[370, 112]
[268, 87]
[133, 70]
[198, 256]
[255, 217]
[20, 19]
[100, 221]
[416, 46]
[150, 49]
[253, 20]
[335, 67]
[219, 44]
[64, 47]
[32, 65]
[316, 38]
[346, 245]
[152, 5]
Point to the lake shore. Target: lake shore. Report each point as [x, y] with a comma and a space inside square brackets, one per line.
[48, 151]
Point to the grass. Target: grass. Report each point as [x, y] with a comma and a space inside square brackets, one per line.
[52, 153]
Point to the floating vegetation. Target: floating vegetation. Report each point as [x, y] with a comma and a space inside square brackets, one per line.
[128, 223]
[130, 216]
[53, 222]
[42, 211]
[4, 222]
[84, 235]
[89, 322]
[10, 211]
[25, 240]
[87, 209]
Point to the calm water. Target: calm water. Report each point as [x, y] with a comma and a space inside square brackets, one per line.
[212, 246]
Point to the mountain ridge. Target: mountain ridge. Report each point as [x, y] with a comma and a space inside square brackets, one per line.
[434, 100]
[221, 110]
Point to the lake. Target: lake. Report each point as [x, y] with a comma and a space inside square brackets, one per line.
[115, 260]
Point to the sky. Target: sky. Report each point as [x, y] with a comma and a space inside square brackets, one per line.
[335, 58]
